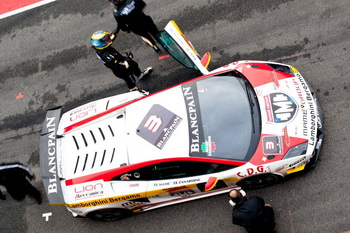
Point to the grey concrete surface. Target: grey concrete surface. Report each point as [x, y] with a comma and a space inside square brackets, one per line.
[46, 58]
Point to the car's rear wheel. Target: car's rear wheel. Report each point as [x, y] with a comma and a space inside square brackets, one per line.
[259, 181]
[109, 214]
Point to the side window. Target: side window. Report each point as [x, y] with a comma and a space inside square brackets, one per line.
[172, 170]
[169, 170]
[215, 167]
[181, 169]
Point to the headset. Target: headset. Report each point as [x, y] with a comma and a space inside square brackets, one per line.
[234, 201]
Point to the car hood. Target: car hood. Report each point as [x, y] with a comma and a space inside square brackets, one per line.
[288, 110]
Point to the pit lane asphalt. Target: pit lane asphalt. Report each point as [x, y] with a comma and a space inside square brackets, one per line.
[46, 59]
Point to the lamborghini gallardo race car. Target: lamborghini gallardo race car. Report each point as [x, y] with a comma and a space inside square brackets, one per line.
[247, 124]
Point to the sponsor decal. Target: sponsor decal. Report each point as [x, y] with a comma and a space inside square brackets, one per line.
[283, 107]
[305, 127]
[83, 112]
[299, 92]
[175, 189]
[272, 145]
[158, 125]
[312, 111]
[308, 94]
[186, 181]
[88, 191]
[286, 84]
[286, 136]
[134, 185]
[280, 107]
[162, 184]
[298, 162]
[132, 204]
[194, 120]
[268, 108]
[208, 146]
[104, 201]
[51, 152]
[185, 193]
[313, 124]
[280, 168]
[253, 170]
[136, 203]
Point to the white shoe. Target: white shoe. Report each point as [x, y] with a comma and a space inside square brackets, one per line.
[145, 72]
[143, 92]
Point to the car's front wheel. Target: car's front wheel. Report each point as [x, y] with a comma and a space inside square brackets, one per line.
[259, 181]
[109, 214]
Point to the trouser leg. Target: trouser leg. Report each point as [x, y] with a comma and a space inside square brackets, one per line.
[269, 219]
[152, 28]
[15, 188]
[146, 29]
[127, 76]
[134, 67]
[32, 191]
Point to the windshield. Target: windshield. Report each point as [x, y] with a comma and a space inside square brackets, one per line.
[220, 119]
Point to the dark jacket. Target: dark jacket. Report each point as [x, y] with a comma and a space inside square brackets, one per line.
[129, 14]
[111, 58]
[253, 215]
[14, 177]
[10, 170]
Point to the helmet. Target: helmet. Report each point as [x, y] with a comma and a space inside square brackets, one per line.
[116, 1]
[101, 40]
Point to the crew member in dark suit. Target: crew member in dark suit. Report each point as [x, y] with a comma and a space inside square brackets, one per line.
[131, 18]
[122, 67]
[251, 212]
[14, 177]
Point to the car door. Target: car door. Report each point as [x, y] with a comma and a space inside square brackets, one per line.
[171, 181]
[130, 188]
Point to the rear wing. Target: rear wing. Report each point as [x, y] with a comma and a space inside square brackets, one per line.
[181, 49]
[48, 157]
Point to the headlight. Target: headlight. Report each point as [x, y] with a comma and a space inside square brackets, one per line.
[296, 151]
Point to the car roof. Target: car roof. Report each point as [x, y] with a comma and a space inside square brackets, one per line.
[113, 140]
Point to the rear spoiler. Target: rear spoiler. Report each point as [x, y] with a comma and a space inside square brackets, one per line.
[48, 157]
[181, 49]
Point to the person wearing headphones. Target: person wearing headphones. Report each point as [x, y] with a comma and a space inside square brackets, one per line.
[251, 212]
[121, 66]
[131, 18]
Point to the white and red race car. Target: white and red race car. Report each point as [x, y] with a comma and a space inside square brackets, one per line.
[246, 124]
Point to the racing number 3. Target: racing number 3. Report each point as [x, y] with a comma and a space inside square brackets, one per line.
[153, 123]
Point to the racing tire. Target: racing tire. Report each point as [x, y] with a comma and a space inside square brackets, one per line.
[108, 215]
[259, 181]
